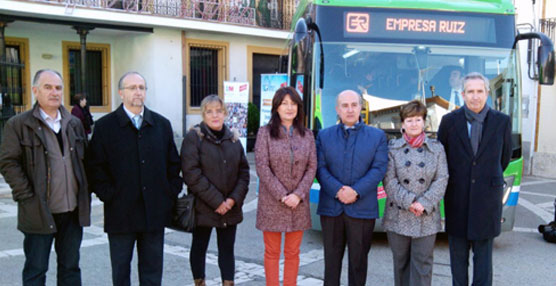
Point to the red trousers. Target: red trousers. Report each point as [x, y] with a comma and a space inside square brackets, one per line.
[272, 243]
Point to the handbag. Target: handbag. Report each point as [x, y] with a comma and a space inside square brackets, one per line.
[184, 214]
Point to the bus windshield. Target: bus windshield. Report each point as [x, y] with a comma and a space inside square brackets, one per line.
[389, 75]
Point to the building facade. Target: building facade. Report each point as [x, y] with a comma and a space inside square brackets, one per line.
[544, 156]
[185, 50]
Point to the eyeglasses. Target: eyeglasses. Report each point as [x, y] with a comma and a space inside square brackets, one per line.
[136, 87]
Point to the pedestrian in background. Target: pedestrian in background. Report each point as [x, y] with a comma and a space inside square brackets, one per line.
[352, 160]
[478, 144]
[41, 158]
[286, 164]
[80, 110]
[134, 168]
[216, 171]
[414, 183]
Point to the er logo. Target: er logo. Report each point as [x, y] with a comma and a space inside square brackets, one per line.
[357, 22]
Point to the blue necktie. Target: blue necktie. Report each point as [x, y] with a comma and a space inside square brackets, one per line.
[137, 121]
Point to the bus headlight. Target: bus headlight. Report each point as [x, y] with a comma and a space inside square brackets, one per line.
[508, 184]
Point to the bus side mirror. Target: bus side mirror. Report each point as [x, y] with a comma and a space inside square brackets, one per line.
[545, 57]
[545, 64]
[301, 31]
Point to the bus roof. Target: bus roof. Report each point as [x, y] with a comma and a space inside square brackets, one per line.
[478, 6]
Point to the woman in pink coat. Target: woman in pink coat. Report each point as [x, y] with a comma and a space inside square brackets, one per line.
[286, 164]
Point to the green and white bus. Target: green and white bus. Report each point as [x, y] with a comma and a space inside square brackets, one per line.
[399, 50]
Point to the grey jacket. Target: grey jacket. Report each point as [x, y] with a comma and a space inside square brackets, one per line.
[414, 174]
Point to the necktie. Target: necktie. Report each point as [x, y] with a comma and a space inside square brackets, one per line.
[137, 121]
[458, 96]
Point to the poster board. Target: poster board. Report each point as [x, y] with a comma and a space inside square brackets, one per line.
[236, 97]
[270, 83]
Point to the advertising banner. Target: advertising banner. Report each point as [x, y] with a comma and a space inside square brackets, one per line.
[236, 96]
[270, 83]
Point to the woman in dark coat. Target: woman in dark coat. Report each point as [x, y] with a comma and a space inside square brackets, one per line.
[81, 110]
[216, 171]
[286, 162]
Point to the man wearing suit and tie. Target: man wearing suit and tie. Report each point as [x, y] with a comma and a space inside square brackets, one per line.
[455, 80]
[477, 141]
[448, 85]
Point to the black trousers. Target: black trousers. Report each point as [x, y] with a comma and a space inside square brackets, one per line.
[357, 234]
[226, 238]
[150, 246]
[459, 261]
[67, 241]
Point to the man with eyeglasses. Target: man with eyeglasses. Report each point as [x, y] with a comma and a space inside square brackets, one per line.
[134, 169]
[41, 158]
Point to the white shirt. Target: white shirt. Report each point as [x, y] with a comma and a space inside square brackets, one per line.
[54, 123]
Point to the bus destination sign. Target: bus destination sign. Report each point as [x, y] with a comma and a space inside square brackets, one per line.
[382, 25]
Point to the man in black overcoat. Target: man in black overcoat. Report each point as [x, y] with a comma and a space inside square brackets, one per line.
[134, 169]
[477, 140]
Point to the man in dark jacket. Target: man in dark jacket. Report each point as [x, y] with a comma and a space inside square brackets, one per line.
[41, 158]
[477, 140]
[352, 160]
[134, 169]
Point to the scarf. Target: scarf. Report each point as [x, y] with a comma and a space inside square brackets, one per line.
[415, 142]
[476, 120]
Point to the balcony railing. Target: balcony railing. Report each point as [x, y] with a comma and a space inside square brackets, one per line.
[186, 9]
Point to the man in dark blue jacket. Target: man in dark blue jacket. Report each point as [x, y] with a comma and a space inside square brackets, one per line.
[352, 160]
[134, 169]
[478, 145]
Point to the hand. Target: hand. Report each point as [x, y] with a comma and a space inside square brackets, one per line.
[347, 195]
[291, 200]
[222, 209]
[230, 202]
[416, 208]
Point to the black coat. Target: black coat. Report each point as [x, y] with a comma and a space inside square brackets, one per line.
[473, 200]
[134, 172]
[215, 170]
[84, 115]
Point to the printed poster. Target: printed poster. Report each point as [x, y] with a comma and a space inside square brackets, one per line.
[270, 83]
[299, 84]
[236, 97]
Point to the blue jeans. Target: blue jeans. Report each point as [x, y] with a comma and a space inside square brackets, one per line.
[67, 243]
[459, 261]
[150, 247]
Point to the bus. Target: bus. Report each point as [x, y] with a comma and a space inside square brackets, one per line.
[399, 50]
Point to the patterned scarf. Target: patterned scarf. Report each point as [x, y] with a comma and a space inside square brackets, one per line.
[416, 141]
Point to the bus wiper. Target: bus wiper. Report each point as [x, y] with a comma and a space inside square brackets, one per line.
[421, 55]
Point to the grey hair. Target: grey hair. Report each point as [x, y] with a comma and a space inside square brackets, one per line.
[121, 81]
[38, 74]
[350, 91]
[210, 99]
[476, 75]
